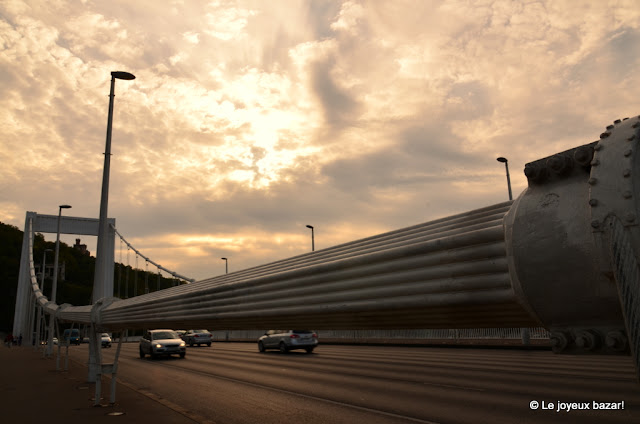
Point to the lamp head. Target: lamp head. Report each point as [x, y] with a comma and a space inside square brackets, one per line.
[501, 159]
[65, 206]
[123, 75]
[310, 226]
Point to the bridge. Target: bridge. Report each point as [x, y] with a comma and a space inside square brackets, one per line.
[563, 256]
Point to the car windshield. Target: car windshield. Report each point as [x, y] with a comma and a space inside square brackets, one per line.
[302, 331]
[105, 335]
[200, 331]
[164, 335]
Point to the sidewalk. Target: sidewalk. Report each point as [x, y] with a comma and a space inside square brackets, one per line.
[32, 391]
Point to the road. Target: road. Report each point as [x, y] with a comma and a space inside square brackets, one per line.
[232, 383]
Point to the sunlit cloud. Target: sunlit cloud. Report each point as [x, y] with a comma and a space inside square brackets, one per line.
[249, 120]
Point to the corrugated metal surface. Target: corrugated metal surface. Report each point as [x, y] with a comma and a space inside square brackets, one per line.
[443, 274]
[449, 273]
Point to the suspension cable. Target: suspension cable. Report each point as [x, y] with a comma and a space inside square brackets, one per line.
[175, 274]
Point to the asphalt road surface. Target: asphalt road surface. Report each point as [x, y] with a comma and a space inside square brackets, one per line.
[232, 383]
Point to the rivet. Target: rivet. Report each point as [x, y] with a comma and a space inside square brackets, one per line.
[626, 173]
[609, 127]
[560, 164]
[593, 202]
[595, 224]
[628, 153]
[597, 147]
[583, 155]
[605, 135]
[617, 121]
[625, 119]
[630, 217]
[627, 194]
[595, 162]
[631, 138]
[592, 181]
[536, 172]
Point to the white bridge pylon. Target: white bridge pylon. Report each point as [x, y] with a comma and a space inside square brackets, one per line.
[49, 224]
[23, 315]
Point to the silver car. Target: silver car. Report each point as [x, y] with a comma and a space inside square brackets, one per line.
[286, 340]
[162, 343]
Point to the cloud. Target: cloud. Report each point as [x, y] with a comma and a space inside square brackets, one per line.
[248, 121]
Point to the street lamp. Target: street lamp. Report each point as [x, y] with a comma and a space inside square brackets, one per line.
[226, 265]
[506, 165]
[313, 245]
[103, 226]
[54, 287]
[44, 267]
[524, 332]
[36, 337]
[102, 254]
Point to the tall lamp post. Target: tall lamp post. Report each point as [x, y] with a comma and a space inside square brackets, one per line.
[226, 265]
[506, 165]
[524, 332]
[99, 279]
[54, 287]
[44, 267]
[103, 226]
[38, 322]
[313, 243]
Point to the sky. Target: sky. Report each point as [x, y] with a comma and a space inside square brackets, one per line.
[249, 120]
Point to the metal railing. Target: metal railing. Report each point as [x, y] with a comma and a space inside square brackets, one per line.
[475, 335]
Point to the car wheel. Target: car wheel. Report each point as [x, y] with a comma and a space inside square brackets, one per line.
[141, 353]
[209, 344]
[153, 355]
[191, 342]
[309, 350]
[261, 347]
[283, 348]
[182, 355]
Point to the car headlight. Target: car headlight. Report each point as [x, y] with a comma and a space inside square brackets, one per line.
[158, 346]
[183, 344]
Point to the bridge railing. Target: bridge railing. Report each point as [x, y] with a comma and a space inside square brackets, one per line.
[472, 335]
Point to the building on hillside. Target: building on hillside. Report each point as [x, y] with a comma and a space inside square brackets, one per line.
[81, 247]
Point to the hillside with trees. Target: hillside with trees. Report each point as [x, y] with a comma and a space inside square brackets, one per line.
[76, 286]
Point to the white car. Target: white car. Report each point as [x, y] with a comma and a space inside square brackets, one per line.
[161, 343]
[105, 339]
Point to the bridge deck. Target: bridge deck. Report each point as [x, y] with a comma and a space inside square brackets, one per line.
[228, 383]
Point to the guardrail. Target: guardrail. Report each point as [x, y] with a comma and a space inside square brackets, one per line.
[467, 336]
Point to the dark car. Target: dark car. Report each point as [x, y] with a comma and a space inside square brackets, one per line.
[161, 343]
[197, 337]
[286, 340]
[71, 336]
